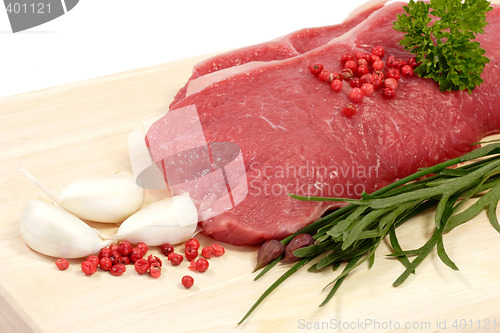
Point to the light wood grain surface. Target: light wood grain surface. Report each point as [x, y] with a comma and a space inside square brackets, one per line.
[80, 130]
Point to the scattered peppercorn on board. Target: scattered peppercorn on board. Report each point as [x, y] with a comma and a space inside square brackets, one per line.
[80, 130]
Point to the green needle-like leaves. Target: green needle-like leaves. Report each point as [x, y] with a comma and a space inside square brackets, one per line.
[350, 235]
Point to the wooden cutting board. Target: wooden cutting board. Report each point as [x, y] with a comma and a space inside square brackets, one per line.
[80, 130]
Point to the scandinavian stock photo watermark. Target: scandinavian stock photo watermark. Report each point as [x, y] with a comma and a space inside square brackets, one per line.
[310, 180]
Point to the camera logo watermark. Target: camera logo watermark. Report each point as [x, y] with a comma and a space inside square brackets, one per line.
[216, 177]
[25, 14]
[212, 173]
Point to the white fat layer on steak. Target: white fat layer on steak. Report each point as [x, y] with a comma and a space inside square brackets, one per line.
[196, 85]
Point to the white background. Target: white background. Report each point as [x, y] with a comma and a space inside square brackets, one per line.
[101, 37]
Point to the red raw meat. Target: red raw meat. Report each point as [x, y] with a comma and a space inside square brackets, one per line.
[294, 139]
[285, 47]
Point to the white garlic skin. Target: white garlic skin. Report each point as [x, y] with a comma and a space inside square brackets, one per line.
[171, 220]
[110, 199]
[53, 231]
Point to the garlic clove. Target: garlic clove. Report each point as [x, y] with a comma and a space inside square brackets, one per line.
[53, 231]
[108, 199]
[170, 220]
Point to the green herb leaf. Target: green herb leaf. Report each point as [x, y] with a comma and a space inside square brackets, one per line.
[275, 285]
[397, 248]
[444, 256]
[489, 199]
[351, 235]
[337, 284]
[441, 34]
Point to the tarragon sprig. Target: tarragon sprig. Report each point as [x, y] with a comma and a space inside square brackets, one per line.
[352, 234]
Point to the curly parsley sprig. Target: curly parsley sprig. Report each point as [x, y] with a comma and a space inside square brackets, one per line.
[441, 34]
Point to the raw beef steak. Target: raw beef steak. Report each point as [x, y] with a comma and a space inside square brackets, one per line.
[285, 47]
[294, 139]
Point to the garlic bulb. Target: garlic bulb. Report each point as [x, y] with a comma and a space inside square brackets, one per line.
[108, 199]
[170, 220]
[53, 231]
